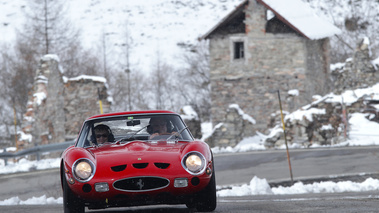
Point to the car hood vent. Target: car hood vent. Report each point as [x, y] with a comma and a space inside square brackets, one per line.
[141, 184]
[140, 165]
[118, 168]
[162, 165]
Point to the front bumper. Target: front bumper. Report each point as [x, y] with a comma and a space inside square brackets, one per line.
[139, 190]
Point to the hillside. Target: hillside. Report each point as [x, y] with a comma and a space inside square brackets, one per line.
[156, 26]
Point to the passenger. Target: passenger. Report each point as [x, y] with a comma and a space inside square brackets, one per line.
[103, 134]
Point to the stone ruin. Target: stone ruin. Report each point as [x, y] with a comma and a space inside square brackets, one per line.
[325, 121]
[58, 105]
[233, 129]
[356, 72]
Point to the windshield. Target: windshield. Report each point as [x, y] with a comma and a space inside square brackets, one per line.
[153, 127]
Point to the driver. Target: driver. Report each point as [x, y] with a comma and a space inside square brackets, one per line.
[159, 126]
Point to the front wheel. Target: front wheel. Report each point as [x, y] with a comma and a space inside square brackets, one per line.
[206, 200]
[71, 203]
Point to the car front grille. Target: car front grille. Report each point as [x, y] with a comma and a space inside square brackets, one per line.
[140, 184]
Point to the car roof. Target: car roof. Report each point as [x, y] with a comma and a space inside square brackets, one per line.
[131, 113]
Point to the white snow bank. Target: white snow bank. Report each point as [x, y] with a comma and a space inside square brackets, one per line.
[242, 113]
[351, 96]
[256, 186]
[43, 200]
[363, 132]
[24, 165]
[293, 92]
[247, 144]
[301, 114]
[259, 186]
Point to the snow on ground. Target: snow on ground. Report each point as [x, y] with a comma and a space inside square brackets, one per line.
[24, 165]
[259, 186]
[43, 200]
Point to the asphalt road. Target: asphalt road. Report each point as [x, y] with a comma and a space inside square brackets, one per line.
[317, 203]
[239, 168]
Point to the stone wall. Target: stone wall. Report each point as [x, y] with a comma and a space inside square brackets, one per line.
[235, 126]
[37, 120]
[325, 120]
[356, 72]
[81, 98]
[57, 106]
[272, 62]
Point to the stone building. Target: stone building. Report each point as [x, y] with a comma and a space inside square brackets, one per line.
[262, 47]
[57, 105]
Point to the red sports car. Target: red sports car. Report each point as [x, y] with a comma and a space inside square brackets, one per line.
[137, 158]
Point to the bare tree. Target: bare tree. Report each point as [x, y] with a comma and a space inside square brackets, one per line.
[15, 81]
[49, 31]
[127, 49]
[356, 19]
[160, 79]
[129, 85]
[48, 25]
[79, 61]
[195, 78]
[21, 65]
[46, 31]
[139, 92]
[7, 99]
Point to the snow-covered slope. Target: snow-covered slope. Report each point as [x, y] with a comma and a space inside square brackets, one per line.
[156, 26]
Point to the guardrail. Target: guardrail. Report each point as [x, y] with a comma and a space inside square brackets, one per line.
[37, 150]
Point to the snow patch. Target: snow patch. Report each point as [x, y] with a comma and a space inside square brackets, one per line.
[242, 113]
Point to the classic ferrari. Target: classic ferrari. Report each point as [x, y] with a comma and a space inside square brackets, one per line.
[137, 158]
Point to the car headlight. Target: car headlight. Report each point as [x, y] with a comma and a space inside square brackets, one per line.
[83, 170]
[194, 163]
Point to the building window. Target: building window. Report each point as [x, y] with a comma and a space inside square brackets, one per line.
[239, 50]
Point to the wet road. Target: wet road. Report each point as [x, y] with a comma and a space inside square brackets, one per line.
[239, 168]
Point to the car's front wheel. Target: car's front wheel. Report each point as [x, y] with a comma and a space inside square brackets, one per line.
[71, 203]
[206, 200]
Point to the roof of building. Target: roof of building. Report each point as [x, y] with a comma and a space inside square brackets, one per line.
[294, 13]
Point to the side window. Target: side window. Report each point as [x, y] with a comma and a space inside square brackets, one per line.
[84, 137]
[239, 50]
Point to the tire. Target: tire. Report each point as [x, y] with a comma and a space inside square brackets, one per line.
[206, 200]
[71, 203]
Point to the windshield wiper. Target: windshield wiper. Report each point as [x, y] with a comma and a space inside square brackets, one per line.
[177, 134]
[132, 136]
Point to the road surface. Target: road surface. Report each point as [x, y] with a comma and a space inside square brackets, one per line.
[239, 168]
